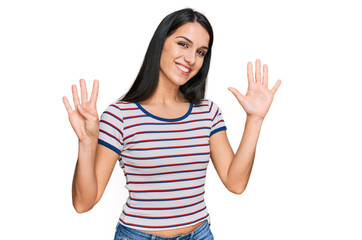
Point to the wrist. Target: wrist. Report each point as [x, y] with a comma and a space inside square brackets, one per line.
[254, 119]
[88, 141]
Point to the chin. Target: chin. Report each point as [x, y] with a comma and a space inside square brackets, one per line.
[181, 83]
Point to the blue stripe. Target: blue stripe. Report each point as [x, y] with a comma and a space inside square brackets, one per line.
[171, 181]
[150, 149]
[218, 122]
[165, 208]
[134, 117]
[176, 139]
[217, 130]
[216, 114]
[153, 174]
[152, 200]
[166, 190]
[109, 124]
[169, 132]
[168, 123]
[160, 157]
[113, 115]
[165, 119]
[109, 146]
[183, 215]
[106, 133]
[171, 165]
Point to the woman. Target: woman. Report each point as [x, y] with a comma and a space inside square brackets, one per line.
[163, 133]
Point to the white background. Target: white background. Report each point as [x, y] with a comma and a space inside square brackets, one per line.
[306, 179]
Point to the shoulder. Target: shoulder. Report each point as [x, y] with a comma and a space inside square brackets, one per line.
[205, 102]
[120, 106]
[118, 109]
[211, 105]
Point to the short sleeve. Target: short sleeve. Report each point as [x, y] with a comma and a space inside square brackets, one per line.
[217, 119]
[111, 129]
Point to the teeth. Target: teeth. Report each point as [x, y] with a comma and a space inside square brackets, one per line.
[186, 70]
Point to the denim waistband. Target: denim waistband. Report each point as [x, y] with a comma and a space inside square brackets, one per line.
[137, 234]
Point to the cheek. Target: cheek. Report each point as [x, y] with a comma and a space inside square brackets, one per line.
[199, 64]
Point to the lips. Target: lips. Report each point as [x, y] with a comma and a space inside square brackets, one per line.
[183, 69]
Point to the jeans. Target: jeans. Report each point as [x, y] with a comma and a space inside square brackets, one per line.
[203, 232]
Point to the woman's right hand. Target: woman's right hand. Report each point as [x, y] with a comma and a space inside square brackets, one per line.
[84, 117]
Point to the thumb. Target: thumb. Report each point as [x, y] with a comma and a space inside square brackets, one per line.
[240, 97]
[88, 116]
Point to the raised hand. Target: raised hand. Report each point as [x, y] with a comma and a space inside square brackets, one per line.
[259, 97]
[84, 117]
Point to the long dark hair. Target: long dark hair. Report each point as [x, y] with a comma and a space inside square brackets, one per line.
[147, 78]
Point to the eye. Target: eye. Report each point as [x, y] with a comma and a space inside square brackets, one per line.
[182, 44]
[201, 53]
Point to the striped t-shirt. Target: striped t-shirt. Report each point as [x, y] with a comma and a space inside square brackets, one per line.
[164, 162]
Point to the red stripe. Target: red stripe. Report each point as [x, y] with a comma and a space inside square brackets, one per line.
[215, 115]
[200, 112]
[110, 135]
[135, 108]
[123, 108]
[116, 106]
[170, 123]
[204, 111]
[174, 216]
[162, 199]
[183, 206]
[166, 165]
[113, 126]
[182, 146]
[142, 115]
[217, 122]
[115, 116]
[174, 189]
[169, 139]
[167, 181]
[151, 174]
[166, 156]
[167, 131]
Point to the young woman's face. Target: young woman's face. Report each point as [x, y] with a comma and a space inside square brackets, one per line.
[183, 53]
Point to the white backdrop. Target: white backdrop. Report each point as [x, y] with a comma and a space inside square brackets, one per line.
[306, 179]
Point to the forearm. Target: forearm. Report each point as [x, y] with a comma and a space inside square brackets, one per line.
[84, 188]
[242, 163]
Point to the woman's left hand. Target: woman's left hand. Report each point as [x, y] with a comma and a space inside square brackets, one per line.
[259, 97]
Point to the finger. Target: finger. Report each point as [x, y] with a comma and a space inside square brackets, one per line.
[257, 71]
[276, 86]
[250, 73]
[240, 97]
[94, 95]
[67, 105]
[88, 116]
[75, 95]
[265, 75]
[83, 91]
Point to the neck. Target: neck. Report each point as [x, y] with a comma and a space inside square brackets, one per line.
[166, 93]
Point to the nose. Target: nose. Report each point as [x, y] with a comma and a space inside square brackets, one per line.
[190, 57]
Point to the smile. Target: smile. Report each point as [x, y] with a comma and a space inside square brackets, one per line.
[184, 70]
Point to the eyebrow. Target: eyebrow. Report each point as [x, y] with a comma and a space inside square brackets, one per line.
[191, 41]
